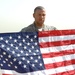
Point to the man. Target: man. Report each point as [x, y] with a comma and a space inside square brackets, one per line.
[39, 18]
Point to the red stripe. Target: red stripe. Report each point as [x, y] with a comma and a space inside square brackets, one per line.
[8, 74]
[56, 33]
[56, 43]
[72, 72]
[60, 64]
[60, 53]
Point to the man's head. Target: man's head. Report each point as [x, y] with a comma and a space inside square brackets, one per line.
[39, 15]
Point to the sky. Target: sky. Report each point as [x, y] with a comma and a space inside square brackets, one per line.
[17, 14]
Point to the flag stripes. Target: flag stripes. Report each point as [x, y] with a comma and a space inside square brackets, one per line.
[58, 51]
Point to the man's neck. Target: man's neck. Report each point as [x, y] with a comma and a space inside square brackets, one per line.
[39, 25]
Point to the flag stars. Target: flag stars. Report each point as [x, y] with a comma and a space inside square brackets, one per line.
[15, 40]
[8, 48]
[23, 58]
[2, 45]
[25, 66]
[1, 38]
[40, 64]
[21, 51]
[14, 59]
[32, 47]
[20, 44]
[36, 60]
[31, 58]
[35, 36]
[9, 56]
[25, 47]
[31, 40]
[11, 45]
[30, 51]
[4, 53]
[19, 37]
[6, 41]
[26, 54]
[27, 36]
[28, 61]
[10, 37]
[16, 48]
[13, 52]
[23, 40]
[18, 55]
[15, 67]
[28, 43]
[20, 62]
[33, 65]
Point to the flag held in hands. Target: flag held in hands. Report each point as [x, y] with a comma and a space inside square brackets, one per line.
[38, 53]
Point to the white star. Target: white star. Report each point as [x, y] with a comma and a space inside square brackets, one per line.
[35, 36]
[6, 41]
[21, 51]
[24, 66]
[15, 67]
[15, 40]
[23, 40]
[18, 55]
[40, 64]
[23, 58]
[33, 65]
[31, 57]
[14, 59]
[4, 53]
[36, 60]
[20, 62]
[28, 43]
[9, 65]
[39, 57]
[20, 44]
[28, 61]
[29, 50]
[25, 47]
[31, 40]
[16, 48]
[35, 43]
[34, 53]
[26, 54]
[11, 44]
[1, 38]
[9, 56]
[19, 37]
[3, 45]
[1, 64]
[32, 47]
[8, 48]
[27, 36]
[6, 59]
[10, 37]
[37, 50]
[13, 52]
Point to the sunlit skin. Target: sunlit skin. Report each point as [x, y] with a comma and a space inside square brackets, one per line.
[39, 17]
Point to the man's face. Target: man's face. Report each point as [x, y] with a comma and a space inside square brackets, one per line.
[39, 16]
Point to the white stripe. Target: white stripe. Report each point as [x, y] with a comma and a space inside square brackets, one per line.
[45, 72]
[58, 59]
[57, 48]
[56, 38]
[42, 72]
[60, 69]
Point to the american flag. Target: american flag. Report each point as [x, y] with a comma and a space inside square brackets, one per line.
[38, 53]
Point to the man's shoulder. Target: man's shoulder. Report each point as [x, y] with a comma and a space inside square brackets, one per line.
[28, 28]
